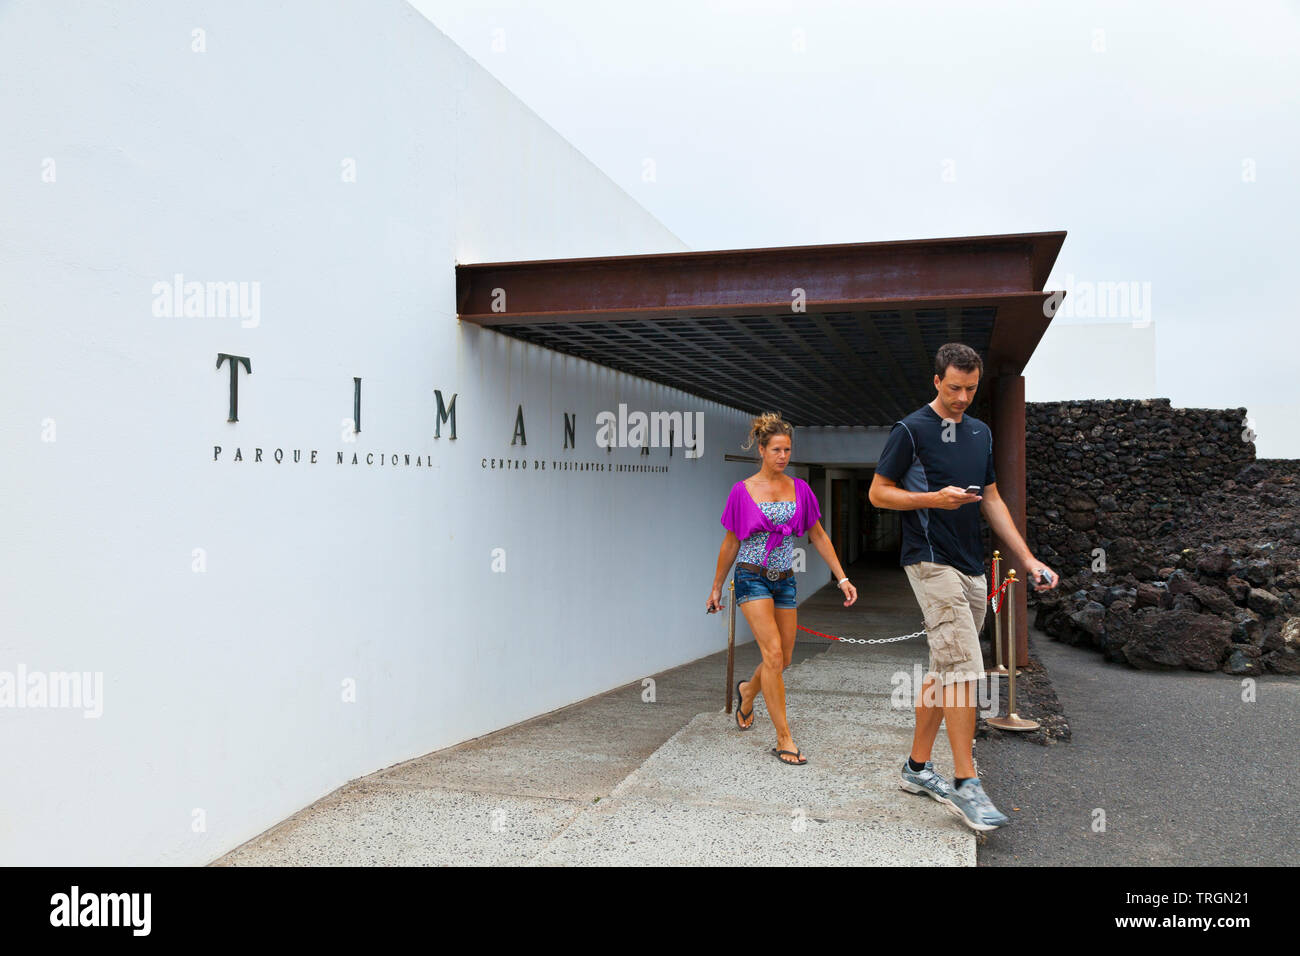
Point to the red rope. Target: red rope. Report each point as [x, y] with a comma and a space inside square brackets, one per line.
[818, 633]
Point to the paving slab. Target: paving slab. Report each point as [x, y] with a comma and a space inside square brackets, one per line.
[705, 764]
[412, 826]
[670, 834]
[574, 755]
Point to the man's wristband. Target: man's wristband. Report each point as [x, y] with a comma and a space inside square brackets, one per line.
[840, 581]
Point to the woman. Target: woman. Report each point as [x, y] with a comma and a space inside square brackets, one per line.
[763, 515]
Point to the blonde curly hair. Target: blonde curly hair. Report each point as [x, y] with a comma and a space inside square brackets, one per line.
[767, 425]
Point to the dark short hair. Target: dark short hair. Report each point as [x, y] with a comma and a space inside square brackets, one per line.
[962, 357]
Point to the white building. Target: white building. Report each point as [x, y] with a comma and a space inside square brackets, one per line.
[266, 608]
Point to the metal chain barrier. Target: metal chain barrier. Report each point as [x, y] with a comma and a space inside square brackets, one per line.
[863, 640]
[995, 599]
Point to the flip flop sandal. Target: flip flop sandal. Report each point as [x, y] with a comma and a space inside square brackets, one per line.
[740, 713]
[793, 753]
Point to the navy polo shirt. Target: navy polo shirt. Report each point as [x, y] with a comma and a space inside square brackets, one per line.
[926, 453]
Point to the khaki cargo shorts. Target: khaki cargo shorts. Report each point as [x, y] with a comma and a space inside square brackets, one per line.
[953, 605]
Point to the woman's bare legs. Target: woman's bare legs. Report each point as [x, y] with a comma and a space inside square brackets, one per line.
[776, 643]
[786, 621]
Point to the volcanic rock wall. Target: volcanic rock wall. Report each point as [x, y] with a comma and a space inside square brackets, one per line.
[1176, 547]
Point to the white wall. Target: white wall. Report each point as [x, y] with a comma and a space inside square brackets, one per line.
[222, 688]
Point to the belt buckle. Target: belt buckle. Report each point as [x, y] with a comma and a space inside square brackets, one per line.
[772, 574]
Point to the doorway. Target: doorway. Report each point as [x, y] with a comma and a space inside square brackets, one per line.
[881, 529]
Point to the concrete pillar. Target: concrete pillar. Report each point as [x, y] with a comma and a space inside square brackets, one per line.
[1008, 424]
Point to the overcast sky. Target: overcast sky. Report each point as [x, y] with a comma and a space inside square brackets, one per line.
[1164, 137]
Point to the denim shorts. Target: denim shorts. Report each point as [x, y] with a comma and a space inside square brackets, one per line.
[752, 586]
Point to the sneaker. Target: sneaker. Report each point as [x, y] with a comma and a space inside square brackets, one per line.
[926, 781]
[971, 803]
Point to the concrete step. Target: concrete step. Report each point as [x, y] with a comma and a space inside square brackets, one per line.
[712, 794]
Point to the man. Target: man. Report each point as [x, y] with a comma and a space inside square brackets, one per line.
[929, 461]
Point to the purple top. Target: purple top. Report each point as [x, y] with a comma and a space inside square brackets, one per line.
[743, 517]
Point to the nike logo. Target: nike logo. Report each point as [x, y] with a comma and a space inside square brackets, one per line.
[974, 433]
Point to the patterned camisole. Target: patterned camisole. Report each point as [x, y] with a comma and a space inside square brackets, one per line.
[751, 549]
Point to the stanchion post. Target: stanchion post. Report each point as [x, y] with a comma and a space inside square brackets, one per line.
[731, 639]
[1012, 721]
[999, 670]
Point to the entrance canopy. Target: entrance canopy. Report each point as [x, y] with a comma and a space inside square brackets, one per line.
[841, 334]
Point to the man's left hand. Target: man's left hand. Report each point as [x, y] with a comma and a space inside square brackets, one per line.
[1037, 568]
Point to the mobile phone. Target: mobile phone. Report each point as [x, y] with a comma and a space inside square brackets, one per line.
[1044, 576]
[972, 489]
